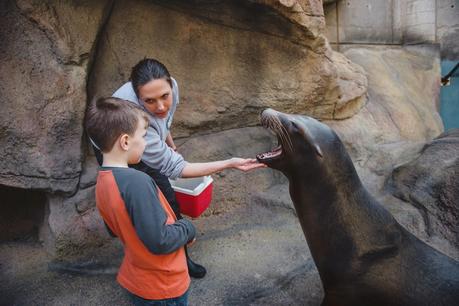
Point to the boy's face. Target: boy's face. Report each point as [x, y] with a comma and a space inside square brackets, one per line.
[157, 97]
[137, 142]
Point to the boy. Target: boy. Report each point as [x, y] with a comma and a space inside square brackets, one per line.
[154, 268]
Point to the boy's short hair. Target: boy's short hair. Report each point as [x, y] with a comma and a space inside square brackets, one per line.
[108, 118]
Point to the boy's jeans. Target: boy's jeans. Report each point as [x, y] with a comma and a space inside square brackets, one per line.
[178, 301]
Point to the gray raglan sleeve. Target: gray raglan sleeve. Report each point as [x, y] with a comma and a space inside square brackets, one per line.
[149, 217]
[158, 155]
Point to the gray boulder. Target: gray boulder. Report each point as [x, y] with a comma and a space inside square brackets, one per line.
[430, 183]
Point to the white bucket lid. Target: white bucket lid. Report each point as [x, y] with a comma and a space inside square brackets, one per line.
[191, 186]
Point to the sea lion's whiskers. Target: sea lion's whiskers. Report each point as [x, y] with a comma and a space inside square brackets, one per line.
[274, 124]
[287, 137]
[283, 134]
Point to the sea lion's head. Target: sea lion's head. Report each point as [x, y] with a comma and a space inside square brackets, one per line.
[306, 146]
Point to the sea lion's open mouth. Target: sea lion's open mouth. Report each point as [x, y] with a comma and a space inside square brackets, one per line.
[274, 153]
[270, 120]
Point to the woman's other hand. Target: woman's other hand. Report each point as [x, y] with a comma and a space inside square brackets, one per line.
[170, 142]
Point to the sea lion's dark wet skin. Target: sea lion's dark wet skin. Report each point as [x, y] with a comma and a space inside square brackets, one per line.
[364, 257]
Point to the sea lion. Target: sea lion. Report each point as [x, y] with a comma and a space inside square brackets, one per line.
[363, 255]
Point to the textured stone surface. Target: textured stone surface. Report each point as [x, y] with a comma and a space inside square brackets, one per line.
[365, 21]
[75, 225]
[399, 118]
[430, 183]
[419, 24]
[43, 55]
[346, 92]
[245, 56]
[395, 22]
[401, 113]
[231, 60]
[331, 21]
[308, 14]
[55, 41]
[448, 28]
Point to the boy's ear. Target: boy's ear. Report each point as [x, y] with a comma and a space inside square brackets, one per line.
[124, 142]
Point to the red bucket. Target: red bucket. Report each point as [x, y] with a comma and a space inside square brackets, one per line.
[193, 194]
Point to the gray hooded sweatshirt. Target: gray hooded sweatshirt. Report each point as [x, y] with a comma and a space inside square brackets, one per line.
[157, 155]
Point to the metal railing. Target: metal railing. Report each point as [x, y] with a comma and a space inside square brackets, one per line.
[445, 81]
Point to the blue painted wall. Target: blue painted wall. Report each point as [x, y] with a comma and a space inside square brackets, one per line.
[449, 97]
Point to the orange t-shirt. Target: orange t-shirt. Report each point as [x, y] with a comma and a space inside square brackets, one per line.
[142, 272]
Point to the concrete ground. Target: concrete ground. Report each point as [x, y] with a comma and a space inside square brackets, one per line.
[254, 254]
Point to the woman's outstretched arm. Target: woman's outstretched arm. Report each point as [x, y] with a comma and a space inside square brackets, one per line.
[202, 169]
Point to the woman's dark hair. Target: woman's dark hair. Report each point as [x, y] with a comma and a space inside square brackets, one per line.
[146, 70]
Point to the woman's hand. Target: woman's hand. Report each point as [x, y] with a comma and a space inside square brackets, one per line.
[246, 164]
[170, 142]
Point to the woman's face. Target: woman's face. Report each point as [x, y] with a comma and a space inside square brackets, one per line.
[157, 97]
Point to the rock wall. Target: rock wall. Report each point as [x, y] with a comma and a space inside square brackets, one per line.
[401, 115]
[231, 58]
[403, 95]
[429, 183]
[44, 58]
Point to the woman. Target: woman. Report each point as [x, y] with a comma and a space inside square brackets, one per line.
[153, 88]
